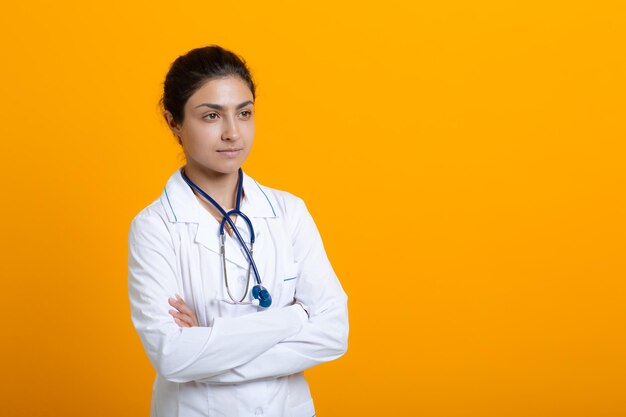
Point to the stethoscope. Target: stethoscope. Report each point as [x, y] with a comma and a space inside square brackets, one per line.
[260, 295]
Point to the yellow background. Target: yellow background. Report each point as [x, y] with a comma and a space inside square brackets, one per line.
[464, 161]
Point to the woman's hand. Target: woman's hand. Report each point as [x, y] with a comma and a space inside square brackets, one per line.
[183, 315]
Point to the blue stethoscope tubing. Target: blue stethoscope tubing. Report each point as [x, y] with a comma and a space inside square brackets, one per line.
[258, 291]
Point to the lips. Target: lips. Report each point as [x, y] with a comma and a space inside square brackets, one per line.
[230, 153]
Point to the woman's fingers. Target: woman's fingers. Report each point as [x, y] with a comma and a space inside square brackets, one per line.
[174, 303]
[181, 318]
[182, 307]
[186, 318]
[184, 313]
[188, 311]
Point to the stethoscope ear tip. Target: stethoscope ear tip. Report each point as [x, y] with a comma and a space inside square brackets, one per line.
[255, 302]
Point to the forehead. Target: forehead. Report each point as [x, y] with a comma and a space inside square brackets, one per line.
[224, 91]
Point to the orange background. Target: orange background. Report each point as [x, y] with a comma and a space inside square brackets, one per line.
[464, 161]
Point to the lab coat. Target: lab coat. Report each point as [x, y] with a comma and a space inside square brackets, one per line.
[242, 360]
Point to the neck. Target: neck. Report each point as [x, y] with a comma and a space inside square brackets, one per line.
[221, 187]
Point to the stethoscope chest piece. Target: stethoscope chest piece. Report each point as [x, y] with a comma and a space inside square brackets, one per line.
[262, 295]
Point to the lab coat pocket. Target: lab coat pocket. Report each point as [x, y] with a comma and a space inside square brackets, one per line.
[288, 284]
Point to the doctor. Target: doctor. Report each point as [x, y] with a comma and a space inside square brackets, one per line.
[217, 350]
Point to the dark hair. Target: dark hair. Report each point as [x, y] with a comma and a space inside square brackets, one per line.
[191, 71]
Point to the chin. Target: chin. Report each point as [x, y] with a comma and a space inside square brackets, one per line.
[222, 170]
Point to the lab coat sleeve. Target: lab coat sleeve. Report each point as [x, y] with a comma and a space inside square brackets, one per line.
[324, 336]
[186, 354]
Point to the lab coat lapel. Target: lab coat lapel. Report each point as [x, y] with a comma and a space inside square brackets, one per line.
[183, 207]
[257, 202]
[208, 236]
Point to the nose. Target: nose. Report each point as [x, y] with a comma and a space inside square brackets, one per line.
[231, 129]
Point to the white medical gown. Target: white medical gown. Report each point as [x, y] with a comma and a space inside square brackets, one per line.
[242, 360]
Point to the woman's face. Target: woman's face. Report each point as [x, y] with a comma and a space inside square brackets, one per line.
[218, 128]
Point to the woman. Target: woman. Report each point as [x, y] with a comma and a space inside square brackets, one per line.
[228, 337]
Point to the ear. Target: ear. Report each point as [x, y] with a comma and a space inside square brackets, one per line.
[171, 123]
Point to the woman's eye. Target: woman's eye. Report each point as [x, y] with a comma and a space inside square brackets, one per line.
[210, 116]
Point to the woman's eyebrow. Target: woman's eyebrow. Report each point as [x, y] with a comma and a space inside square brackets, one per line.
[220, 107]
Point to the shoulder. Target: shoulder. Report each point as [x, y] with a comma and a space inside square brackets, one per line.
[158, 218]
[149, 224]
[284, 203]
[291, 210]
